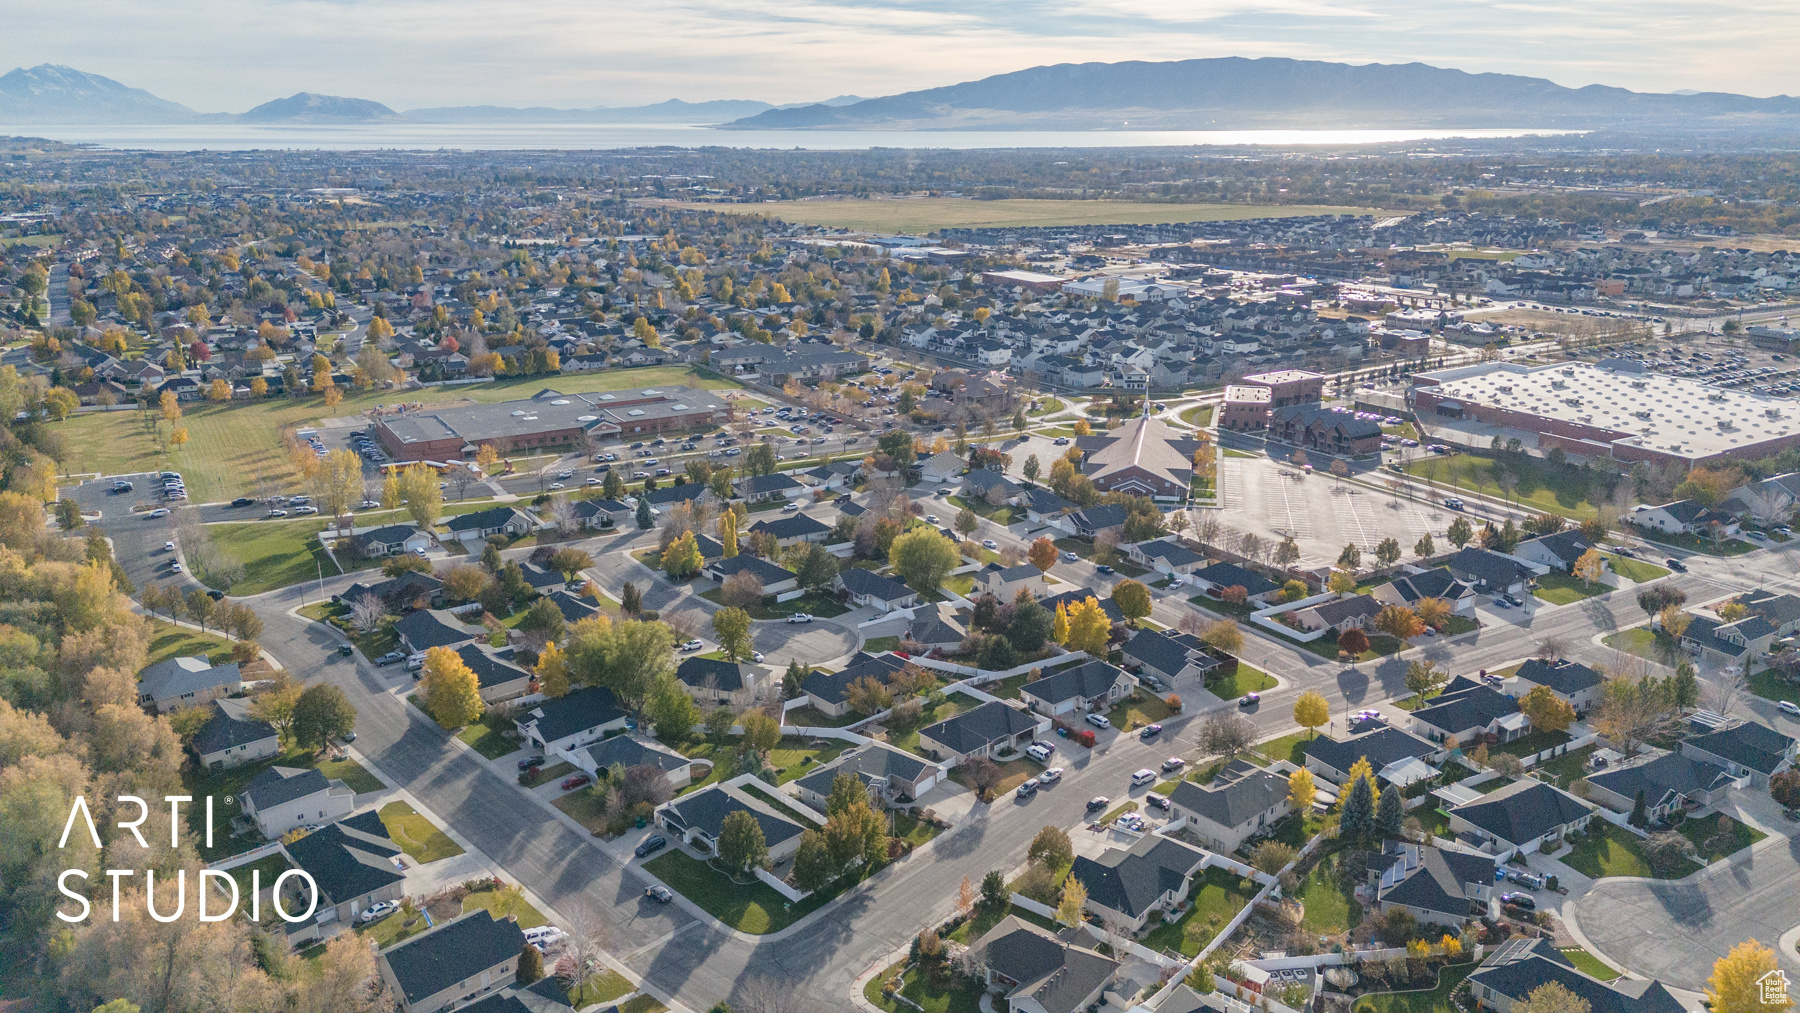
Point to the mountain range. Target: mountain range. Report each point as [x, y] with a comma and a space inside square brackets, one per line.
[1214, 94]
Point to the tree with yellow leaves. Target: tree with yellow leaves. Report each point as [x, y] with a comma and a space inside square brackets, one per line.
[553, 672]
[1302, 790]
[1358, 769]
[178, 437]
[1089, 627]
[1590, 567]
[1736, 984]
[218, 390]
[1082, 428]
[380, 328]
[170, 405]
[259, 387]
[728, 533]
[424, 500]
[451, 690]
[334, 395]
[391, 497]
[486, 457]
[1311, 711]
[1072, 908]
[1059, 625]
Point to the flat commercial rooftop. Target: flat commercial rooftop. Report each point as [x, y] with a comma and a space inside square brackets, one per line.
[551, 412]
[1668, 414]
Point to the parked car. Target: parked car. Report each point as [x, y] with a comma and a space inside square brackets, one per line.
[390, 658]
[575, 781]
[1789, 707]
[989, 543]
[159, 512]
[1173, 763]
[1039, 751]
[1676, 565]
[545, 936]
[241, 501]
[1523, 900]
[1143, 777]
[692, 645]
[1050, 775]
[800, 617]
[1453, 503]
[1156, 800]
[659, 893]
[1103, 568]
[376, 911]
[1098, 721]
[1249, 700]
[273, 512]
[1027, 789]
[651, 845]
[1150, 731]
[530, 762]
[1070, 557]
[1098, 802]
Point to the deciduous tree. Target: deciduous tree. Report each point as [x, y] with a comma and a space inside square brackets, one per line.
[1311, 711]
[451, 689]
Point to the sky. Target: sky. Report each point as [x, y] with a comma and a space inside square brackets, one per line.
[229, 55]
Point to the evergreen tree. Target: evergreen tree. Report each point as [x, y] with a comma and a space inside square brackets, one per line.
[1640, 816]
[644, 517]
[1357, 817]
[631, 601]
[993, 890]
[1389, 813]
[531, 965]
[790, 682]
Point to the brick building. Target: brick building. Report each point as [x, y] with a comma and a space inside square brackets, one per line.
[1245, 408]
[546, 420]
[1289, 386]
[1334, 432]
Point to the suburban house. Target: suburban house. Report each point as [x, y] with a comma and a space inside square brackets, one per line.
[427, 628]
[581, 717]
[1728, 644]
[1558, 551]
[829, 692]
[794, 528]
[761, 488]
[1005, 582]
[1523, 964]
[1744, 750]
[774, 579]
[634, 751]
[1038, 972]
[1216, 578]
[390, 540]
[1439, 583]
[1781, 611]
[936, 627]
[891, 775]
[1091, 686]
[1106, 519]
[1389, 750]
[1575, 684]
[1357, 612]
[1684, 517]
[479, 527]
[698, 818]
[572, 607]
[1441, 887]
[186, 682]
[496, 673]
[1668, 781]
[940, 468]
[988, 729]
[711, 681]
[409, 589]
[868, 588]
[1241, 801]
[1124, 885]
[1490, 572]
[1045, 507]
[1165, 556]
[836, 475]
[1069, 599]
[231, 736]
[1467, 708]
[601, 514]
[1168, 656]
[354, 863]
[453, 963]
[1519, 817]
[282, 798]
[1770, 501]
[990, 486]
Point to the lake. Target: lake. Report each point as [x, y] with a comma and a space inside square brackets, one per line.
[590, 136]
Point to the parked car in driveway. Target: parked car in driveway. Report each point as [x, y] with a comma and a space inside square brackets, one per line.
[530, 762]
[692, 645]
[376, 911]
[390, 658]
[1039, 751]
[1098, 721]
[651, 845]
[659, 893]
[575, 781]
[1523, 900]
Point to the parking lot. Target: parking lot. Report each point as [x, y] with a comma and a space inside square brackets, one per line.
[1274, 499]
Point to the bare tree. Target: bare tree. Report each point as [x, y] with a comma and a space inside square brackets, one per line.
[587, 939]
[1206, 528]
[562, 513]
[366, 612]
[1725, 688]
[1552, 647]
[1226, 733]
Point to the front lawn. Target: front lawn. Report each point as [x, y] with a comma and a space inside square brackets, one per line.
[913, 831]
[1215, 897]
[273, 553]
[877, 644]
[1608, 850]
[1635, 570]
[1701, 831]
[508, 900]
[488, 737]
[1651, 645]
[1589, 964]
[1562, 589]
[1532, 743]
[586, 806]
[754, 907]
[554, 772]
[1139, 709]
[1286, 748]
[1001, 515]
[416, 835]
[600, 988]
[1012, 774]
[946, 993]
[1331, 907]
[168, 640]
[1433, 1000]
[1705, 546]
[1769, 685]
[1247, 679]
[819, 719]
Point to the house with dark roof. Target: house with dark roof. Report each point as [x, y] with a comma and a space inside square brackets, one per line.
[1068, 599]
[1780, 610]
[428, 628]
[390, 540]
[479, 527]
[1439, 583]
[1490, 572]
[1519, 818]
[409, 589]
[355, 864]
[1091, 686]
[583, 716]
[1465, 709]
[497, 673]
[1436, 886]
[698, 819]
[1746, 749]
[1356, 612]
[1216, 578]
[713, 681]
[634, 751]
[990, 486]
[1728, 643]
[829, 692]
[282, 798]
[1521, 965]
[1383, 746]
[936, 626]
[574, 607]
[1125, 885]
[891, 775]
[669, 495]
[1168, 656]
[1684, 517]
[868, 588]
[1107, 518]
[1558, 551]
[1005, 582]
[940, 467]
[1575, 684]
[1045, 507]
[231, 736]
[775, 579]
[761, 488]
[453, 963]
[1668, 781]
[601, 514]
[986, 730]
[1165, 556]
[1242, 800]
[1334, 432]
[1038, 972]
[186, 682]
[794, 528]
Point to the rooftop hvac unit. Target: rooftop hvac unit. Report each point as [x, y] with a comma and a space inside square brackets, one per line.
[1727, 425]
[1773, 413]
[1646, 413]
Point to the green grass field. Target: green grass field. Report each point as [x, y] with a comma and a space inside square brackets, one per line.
[1562, 589]
[1589, 964]
[1634, 569]
[273, 554]
[508, 901]
[231, 446]
[1611, 852]
[416, 835]
[754, 908]
[1216, 896]
[1478, 474]
[927, 214]
[170, 641]
[1247, 679]
[1199, 415]
[1432, 1000]
[1331, 907]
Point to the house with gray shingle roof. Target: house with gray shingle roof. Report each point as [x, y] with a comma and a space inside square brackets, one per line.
[1088, 687]
[282, 798]
[453, 963]
[983, 731]
[866, 587]
[1747, 749]
[355, 864]
[1124, 885]
[1667, 780]
[1242, 800]
[890, 775]
[232, 737]
[186, 682]
[1435, 886]
[1519, 817]
[1038, 972]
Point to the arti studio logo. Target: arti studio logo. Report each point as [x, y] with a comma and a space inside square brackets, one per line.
[1773, 987]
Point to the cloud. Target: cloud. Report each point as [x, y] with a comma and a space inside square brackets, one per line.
[227, 55]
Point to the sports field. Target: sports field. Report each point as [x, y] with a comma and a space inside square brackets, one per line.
[926, 214]
[230, 446]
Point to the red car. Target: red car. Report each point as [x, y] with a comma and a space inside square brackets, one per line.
[575, 781]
